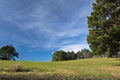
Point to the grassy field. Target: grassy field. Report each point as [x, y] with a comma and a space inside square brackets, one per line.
[94, 67]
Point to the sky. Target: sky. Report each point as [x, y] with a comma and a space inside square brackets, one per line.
[37, 28]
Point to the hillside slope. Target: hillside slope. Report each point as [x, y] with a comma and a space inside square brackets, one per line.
[95, 67]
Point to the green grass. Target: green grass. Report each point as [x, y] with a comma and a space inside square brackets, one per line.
[94, 67]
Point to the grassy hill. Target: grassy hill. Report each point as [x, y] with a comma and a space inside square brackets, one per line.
[84, 68]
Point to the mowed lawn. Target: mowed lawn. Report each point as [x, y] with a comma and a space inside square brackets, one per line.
[94, 67]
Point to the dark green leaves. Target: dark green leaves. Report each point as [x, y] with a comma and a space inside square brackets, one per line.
[8, 53]
[104, 28]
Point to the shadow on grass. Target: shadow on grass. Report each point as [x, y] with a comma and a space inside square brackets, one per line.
[23, 70]
[26, 70]
[48, 77]
[116, 65]
[118, 59]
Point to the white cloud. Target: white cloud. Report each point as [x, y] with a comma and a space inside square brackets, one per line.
[74, 47]
[49, 26]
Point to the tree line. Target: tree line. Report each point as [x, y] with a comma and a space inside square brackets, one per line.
[62, 55]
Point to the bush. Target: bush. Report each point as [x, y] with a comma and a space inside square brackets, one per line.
[15, 68]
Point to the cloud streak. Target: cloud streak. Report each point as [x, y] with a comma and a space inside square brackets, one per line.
[52, 24]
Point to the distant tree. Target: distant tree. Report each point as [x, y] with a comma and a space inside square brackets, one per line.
[59, 56]
[80, 55]
[73, 55]
[62, 56]
[68, 56]
[8, 53]
[84, 53]
[104, 28]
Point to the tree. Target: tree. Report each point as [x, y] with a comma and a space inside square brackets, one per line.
[84, 53]
[62, 56]
[104, 28]
[80, 55]
[8, 53]
[59, 56]
[72, 56]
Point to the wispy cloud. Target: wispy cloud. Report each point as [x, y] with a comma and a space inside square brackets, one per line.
[52, 24]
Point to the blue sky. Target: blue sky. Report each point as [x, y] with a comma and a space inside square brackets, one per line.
[37, 28]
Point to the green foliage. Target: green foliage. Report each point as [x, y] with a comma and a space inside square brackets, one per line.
[8, 53]
[62, 55]
[84, 53]
[71, 55]
[104, 28]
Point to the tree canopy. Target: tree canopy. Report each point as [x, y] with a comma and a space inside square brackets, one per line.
[104, 28]
[63, 56]
[84, 53]
[8, 53]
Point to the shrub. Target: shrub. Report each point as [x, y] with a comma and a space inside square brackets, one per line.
[15, 68]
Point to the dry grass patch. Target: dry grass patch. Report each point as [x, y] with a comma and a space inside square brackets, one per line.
[113, 70]
[66, 72]
[15, 68]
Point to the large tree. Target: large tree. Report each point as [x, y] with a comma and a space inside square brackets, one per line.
[8, 53]
[104, 28]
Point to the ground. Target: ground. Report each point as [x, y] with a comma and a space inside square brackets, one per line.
[91, 68]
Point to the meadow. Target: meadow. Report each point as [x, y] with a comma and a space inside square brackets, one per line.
[91, 68]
